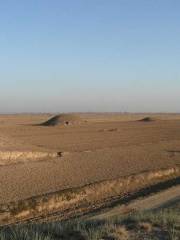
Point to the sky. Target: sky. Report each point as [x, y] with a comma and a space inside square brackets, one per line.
[89, 55]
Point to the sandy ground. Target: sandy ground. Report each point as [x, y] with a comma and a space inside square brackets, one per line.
[106, 147]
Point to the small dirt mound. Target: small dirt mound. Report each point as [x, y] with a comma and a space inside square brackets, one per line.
[146, 119]
[62, 119]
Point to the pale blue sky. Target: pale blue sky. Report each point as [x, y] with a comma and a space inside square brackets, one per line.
[89, 55]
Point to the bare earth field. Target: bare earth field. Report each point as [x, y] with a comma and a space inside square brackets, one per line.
[37, 160]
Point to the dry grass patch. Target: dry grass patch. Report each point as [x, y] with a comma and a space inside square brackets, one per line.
[117, 233]
[159, 225]
[146, 226]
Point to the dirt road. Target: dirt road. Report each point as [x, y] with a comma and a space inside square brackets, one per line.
[159, 200]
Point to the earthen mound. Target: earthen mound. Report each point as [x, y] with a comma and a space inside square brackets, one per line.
[146, 119]
[62, 119]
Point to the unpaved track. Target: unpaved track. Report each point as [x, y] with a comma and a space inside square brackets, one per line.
[154, 201]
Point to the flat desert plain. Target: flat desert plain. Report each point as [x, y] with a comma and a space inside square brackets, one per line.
[39, 157]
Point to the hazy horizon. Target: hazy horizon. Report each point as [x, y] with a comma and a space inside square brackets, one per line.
[90, 56]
